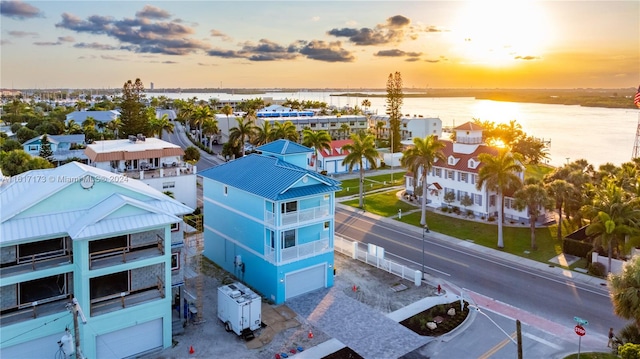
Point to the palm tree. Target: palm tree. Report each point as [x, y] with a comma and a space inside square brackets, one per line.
[319, 140]
[286, 130]
[532, 196]
[210, 128]
[366, 104]
[114, 126]
[379, 127]
[499, 173]
[227, 110]
[264, 134]
[363, 147]
[345, 130]
[421, 157]
[159, 125]
[624, 289]
[559, 190]
[242, 132]
[201, 114]
[73, 128]
[613, 215]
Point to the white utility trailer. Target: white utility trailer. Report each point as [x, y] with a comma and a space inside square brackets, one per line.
[239, 309]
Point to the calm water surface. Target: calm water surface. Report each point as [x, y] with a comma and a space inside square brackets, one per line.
[599, 135]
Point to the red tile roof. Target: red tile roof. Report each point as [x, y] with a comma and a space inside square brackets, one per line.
[462, 164]
[469, 126]
[335, 145]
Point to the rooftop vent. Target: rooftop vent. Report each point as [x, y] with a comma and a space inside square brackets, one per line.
[141, 137]
[132, 138]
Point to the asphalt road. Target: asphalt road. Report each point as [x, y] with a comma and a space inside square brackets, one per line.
[550, 300]
[178, 137]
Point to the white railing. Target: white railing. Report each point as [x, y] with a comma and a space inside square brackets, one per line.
[351, 248]
[305, 215]
[304, 250]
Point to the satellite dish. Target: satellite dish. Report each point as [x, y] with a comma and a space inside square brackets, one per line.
[87, 182]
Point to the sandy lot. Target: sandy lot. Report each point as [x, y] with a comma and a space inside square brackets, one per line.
[209, 339]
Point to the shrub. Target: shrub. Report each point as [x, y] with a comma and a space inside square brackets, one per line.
[597, 269]
[444, 209]
[469, 213]
[630, 334]
[576, 248]
[491, 219]
[629, 351]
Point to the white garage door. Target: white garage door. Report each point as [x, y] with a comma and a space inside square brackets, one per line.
[46, 347]
[304, 281]
[130, 341]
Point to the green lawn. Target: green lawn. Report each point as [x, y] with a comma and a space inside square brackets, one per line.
[592, 355]
[385, 204]
[372, 182]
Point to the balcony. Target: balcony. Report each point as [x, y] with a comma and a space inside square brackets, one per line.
[166, 170]
[304, 250]
[124, 254]
[127, 299]
[36, 262]
[304, 215]
[34, 310]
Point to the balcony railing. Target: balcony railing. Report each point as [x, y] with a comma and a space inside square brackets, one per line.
[113, 256]
[305, 215]
[28, 311]
[111, 303]
[304, 250]
[36, 262]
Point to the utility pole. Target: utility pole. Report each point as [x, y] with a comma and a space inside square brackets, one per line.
[76, 310]
[519, 338]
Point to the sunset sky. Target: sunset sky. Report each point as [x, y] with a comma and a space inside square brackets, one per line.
[320, 44]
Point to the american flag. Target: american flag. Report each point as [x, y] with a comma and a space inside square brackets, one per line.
[636, 99]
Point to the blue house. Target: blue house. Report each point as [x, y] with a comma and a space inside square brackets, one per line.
[270, 222]
[109, 242]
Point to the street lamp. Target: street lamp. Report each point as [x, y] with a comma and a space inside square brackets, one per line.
[425, 230]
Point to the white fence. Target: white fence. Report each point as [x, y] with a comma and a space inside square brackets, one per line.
[372, 255]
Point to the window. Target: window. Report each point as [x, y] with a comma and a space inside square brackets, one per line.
[352, 123]
[289, 238]
[313, 125]
[450, 174]
[438, 172]
[269, 206]
[289, 207]
[492, 200]
[464, 177]
[226, 190]
[175, 261]
[473, 179]
[167, 185]
[33, 148]
[175, 227]
[271, 240]
[327, 225]
[478, 199]
[507, 202]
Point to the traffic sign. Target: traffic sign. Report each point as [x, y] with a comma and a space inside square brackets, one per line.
[580, 321]
[579, 329]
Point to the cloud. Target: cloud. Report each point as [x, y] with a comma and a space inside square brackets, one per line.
[225, 54]
[94, 46]
[140, 35]
[315, 18]
[47, 43]
[23, 33]
[267, 50]
[66, 39]
[5, 42]
[392, 31]
[326, 51]
[19, 10]
[221, 35]
[169, 62]
[527, 58]
[152, 12]
[112, 58]
[396, 53]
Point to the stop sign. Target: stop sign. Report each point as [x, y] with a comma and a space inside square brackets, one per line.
[579, 329]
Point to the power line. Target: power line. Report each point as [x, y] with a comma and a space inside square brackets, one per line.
[28, 331]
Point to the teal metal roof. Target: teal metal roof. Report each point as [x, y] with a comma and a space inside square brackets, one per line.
[284, 147]
[269, 177]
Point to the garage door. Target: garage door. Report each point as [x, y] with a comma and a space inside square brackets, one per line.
[45, 347]
[305, 281]
[130, 341]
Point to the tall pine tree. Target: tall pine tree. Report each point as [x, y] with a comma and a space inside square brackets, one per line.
[132, 110]
[45, 148]
[395, 97]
